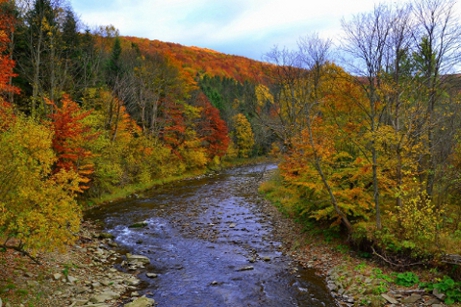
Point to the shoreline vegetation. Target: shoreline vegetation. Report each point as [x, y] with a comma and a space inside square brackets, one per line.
[355, 277]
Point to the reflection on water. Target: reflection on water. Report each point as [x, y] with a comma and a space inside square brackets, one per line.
[211, 246]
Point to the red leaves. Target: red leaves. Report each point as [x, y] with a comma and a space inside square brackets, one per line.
[211, 128]
[70, 136]
[174, 126]
[6, 63]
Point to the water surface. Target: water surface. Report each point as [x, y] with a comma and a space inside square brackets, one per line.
[211, 245]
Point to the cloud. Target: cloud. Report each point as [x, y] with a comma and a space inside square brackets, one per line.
[241, 27]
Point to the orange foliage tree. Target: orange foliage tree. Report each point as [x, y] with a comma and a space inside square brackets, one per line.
[70, 137]
[173, 131]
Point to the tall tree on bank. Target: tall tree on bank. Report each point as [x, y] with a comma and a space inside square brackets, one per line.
[438, 41]
[365, 40]
[298, 106]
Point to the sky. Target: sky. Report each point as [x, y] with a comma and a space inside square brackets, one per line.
[248, 28]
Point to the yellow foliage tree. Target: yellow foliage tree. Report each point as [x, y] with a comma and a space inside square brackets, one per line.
[244, 137]
[39, 210]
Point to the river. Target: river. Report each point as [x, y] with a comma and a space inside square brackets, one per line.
[210, 244]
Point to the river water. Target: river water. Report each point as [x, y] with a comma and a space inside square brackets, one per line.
[211, 245]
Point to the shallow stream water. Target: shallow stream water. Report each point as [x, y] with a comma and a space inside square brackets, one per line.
[211, 245]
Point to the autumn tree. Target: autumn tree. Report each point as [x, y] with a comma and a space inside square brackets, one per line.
[211, 129]
[297, 120]
[7, 23]
[38, 207]
[70, 140]
[243, 135]
[366, 37]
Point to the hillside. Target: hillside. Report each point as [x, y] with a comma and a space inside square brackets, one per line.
[196, 60]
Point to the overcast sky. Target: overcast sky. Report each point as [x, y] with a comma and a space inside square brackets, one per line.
[242, 27]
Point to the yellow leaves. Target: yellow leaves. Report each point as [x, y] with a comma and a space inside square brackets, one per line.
[244, 135]
[263, 95]
[36, 207]
[417, 219]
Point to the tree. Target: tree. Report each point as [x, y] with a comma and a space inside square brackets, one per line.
[211, 129]
[438, 40]
[298, 106]
[366, 37]
[38, 207]
[70, 140]
[7, 23]
[243, 134]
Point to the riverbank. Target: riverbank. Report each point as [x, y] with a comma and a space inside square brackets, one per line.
[354, 279]
[82, 276]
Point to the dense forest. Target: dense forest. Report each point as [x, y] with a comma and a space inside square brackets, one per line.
[368, 143]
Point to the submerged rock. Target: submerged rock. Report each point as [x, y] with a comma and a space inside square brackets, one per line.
[138, 225]
[246, 268]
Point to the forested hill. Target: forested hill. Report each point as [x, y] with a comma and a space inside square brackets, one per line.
[195, 60]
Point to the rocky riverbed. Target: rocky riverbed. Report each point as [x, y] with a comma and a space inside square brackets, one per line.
[83, 276]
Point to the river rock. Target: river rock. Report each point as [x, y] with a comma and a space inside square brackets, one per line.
[57, 276]
[138, 225]
[133, 281]
[105, 296]
[141, 302]
[332, 286]
[137, 259]
[441, 296]
[106, 282]
[71, 279]
[412, 299]
[151, 275]
[389, 298]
